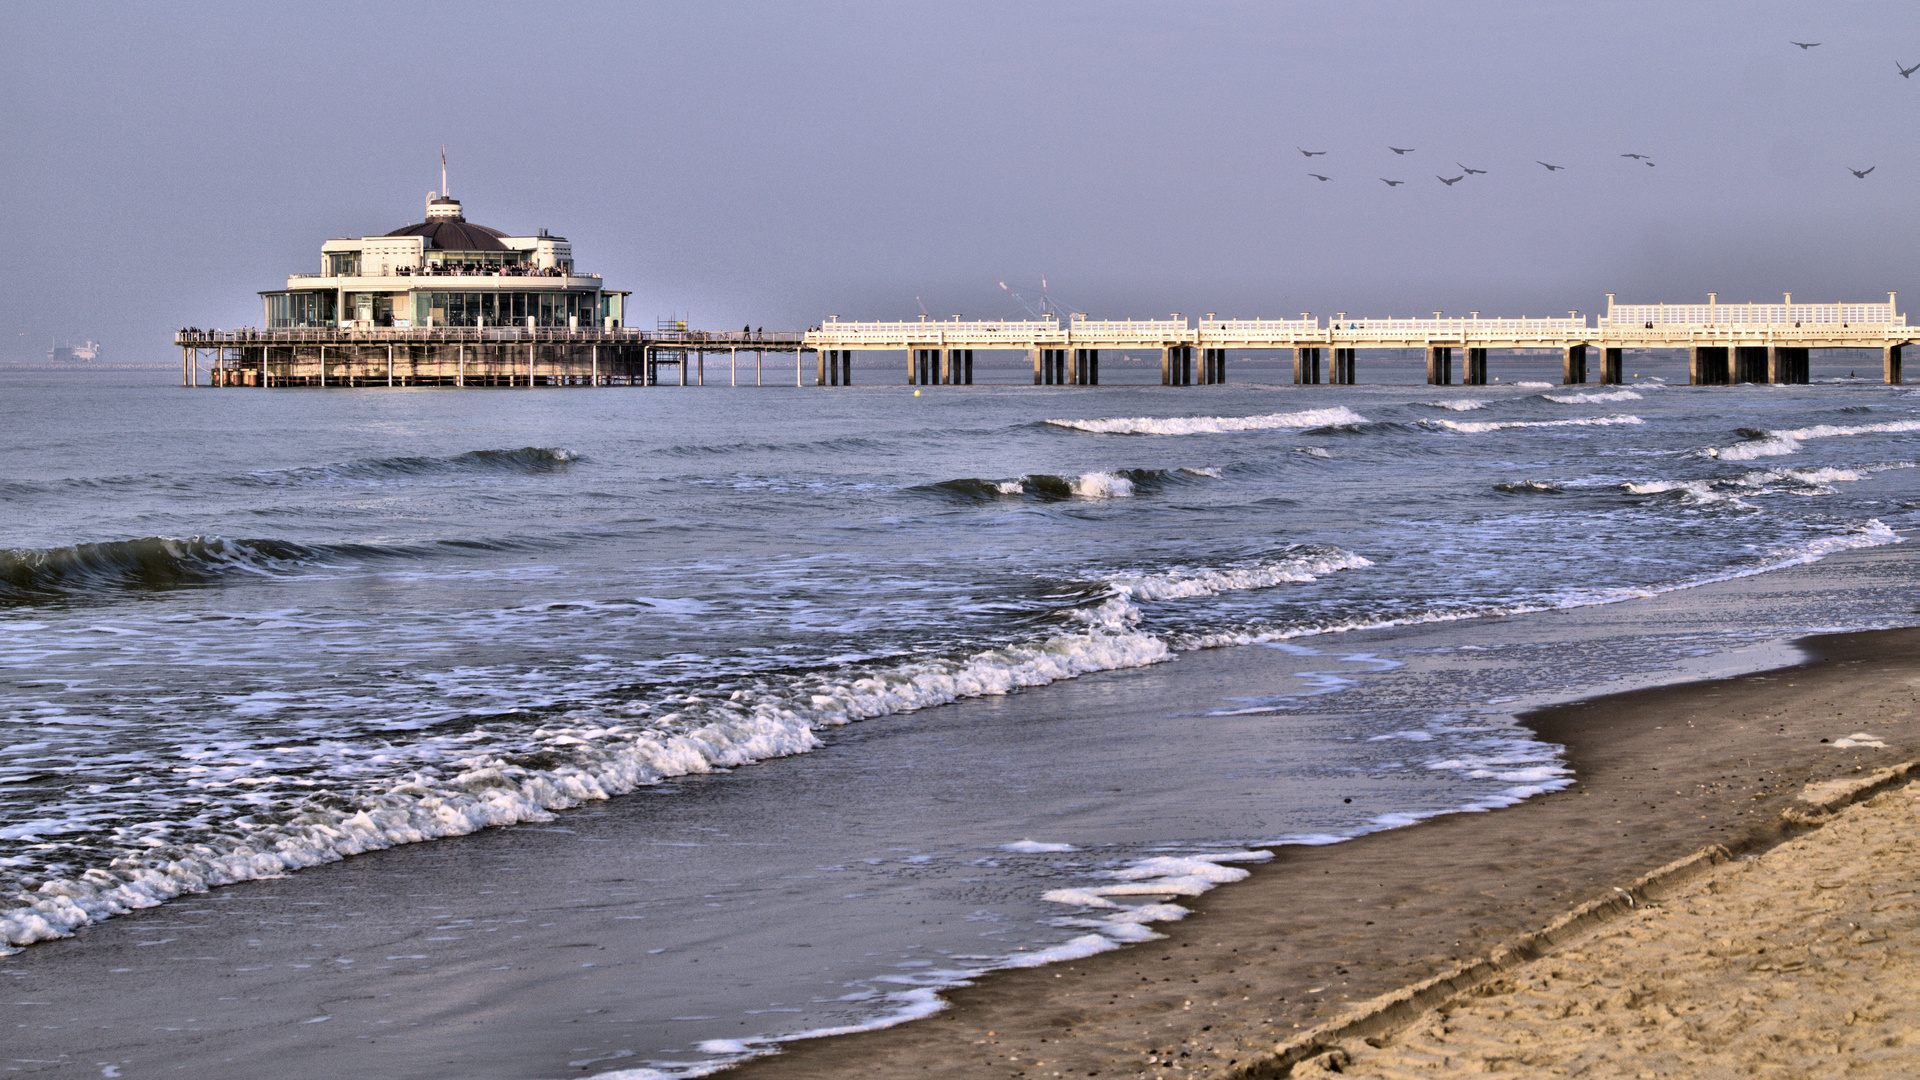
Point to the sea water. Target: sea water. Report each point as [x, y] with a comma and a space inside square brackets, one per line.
[246, 632]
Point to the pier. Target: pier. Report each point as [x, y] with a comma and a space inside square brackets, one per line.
[1725, 343]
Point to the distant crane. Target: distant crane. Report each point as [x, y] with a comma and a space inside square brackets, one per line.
[1046, 309]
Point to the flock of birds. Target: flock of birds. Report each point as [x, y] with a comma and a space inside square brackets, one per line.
[1859, 174]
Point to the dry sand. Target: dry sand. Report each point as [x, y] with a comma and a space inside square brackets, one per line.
[1663, 773]
[1804, 962]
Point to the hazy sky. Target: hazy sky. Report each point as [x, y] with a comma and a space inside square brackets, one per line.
[776, 163]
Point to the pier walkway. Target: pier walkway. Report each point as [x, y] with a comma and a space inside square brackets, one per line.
[1726, 343]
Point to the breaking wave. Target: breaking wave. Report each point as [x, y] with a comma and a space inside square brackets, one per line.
[453, 784]
[1594, 398]
[1761, 444]
[1530, 487]
[1047, 487]
[1477, 427]
[1213, 425]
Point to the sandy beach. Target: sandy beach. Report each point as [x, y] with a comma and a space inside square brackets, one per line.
[1664, 772]
[1798, 963]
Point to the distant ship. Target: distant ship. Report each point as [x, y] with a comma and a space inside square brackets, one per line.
[84, 353]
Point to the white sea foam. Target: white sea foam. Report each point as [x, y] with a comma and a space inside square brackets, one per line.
[1593, 398]
[461, 785]
[1212, 425]
[1207, 471]
[1010, 487]
[1101, 485]
[1862, 534]
[1312, 451]
[1860, 739]
[1780, 443]
[1478, 427]
[1182, 584]
[1458, 404]
[1035, 847]
[1532, 385]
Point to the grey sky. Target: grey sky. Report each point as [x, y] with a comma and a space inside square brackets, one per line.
[776, 163]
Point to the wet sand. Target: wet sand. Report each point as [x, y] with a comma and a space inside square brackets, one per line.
[1663, 772]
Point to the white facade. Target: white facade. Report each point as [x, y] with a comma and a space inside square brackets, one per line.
[445, 271]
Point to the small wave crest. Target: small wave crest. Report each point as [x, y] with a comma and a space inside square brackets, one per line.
[1213, 425]
[1047, 487]
[1761, 444]
[1300, 565]
[1456, 405]
[1530, 487]
[152, 562]
[524, 461]
[1596, 398]
[1479, 427]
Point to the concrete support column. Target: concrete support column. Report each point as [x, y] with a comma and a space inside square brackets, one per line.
[1176, 365]
[1749, 363]
[1707, 365]
[1439, 365]
[1306, 366]
[1613, 366]
[846, 367]
[1890, 364]
[1475, 372]
[821, 359]
[1166, 366]
[1573, 365]
[1036, 366]
[1343, 367]
[1213, 367]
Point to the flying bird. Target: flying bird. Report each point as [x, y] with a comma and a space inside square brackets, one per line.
[1861, 174]
[1636, 157]
[1311, 153]
[1397, 150]
[1391, 183]
[1550, 168]
[1317, 176]
[1464, 171]
[1906, 72]
[1804, 45]
[1448, 182]
[1648, 164]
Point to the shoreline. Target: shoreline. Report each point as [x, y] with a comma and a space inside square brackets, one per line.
[1338, 962]
[1290, 948]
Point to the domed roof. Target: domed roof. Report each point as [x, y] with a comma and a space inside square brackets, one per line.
[447, 228]
[452, 234]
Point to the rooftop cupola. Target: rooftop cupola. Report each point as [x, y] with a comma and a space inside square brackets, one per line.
[443, 207]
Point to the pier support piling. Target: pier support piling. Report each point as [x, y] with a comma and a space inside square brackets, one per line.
[1306, 366]
[1890, 364]
[1343, 367]
[1475, 370]
[1176, 365]
[1086, 367]
[1213, 367]
[1748, 363]
[1612, 367]
[1573, 365]
[1439, 365]
[1707, 365]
